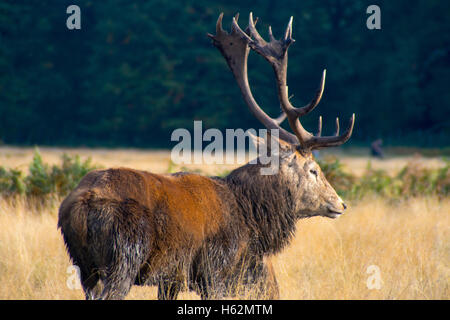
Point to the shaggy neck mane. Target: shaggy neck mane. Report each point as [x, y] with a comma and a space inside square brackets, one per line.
[267, 207]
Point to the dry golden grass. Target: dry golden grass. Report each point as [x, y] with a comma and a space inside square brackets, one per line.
[328, 259]
[409, 242]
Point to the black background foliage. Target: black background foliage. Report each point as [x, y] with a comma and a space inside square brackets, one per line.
[137, 70]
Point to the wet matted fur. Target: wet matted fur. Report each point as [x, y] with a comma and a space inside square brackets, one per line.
[186, 231]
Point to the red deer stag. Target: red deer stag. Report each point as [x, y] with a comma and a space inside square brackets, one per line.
[208, 234]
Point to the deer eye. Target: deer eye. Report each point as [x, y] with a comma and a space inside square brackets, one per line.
[314, 172]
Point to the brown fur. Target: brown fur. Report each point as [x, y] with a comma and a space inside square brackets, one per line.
[211, 235]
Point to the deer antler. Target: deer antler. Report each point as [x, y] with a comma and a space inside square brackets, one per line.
[235, 51]
[274, 51]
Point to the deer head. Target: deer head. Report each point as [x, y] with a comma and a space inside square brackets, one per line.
[311, 192]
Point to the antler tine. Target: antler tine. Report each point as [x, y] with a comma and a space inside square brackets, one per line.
[252, 29]
[247, 29]
[234, 46]
[271, 37]
[288, 32]
[235, 29]
[333, 141]
[219, 29]
[319, 127]
[336, 133]
[314, 102]
[276, 53]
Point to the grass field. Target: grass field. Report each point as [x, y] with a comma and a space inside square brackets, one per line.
[407, 241]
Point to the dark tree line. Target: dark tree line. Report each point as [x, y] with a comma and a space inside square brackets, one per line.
[137, 70]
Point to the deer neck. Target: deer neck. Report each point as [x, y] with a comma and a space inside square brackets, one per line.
[267, 206]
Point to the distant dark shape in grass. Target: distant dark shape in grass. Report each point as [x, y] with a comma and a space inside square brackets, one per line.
[376, 149]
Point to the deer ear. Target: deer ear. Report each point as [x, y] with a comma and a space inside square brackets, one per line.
[258, 142]
[268, 143]
[280, 144]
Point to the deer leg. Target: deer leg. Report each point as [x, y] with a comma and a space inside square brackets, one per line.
[259, 281]
[269, 283]
[168, 289]
[92, 286]
[118, 281]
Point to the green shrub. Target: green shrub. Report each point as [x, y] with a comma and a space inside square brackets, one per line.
[374, 182]
[67, 176]
[412, 180]
[11, 181]
[44, 180]
[416, 180]
[38, 181]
